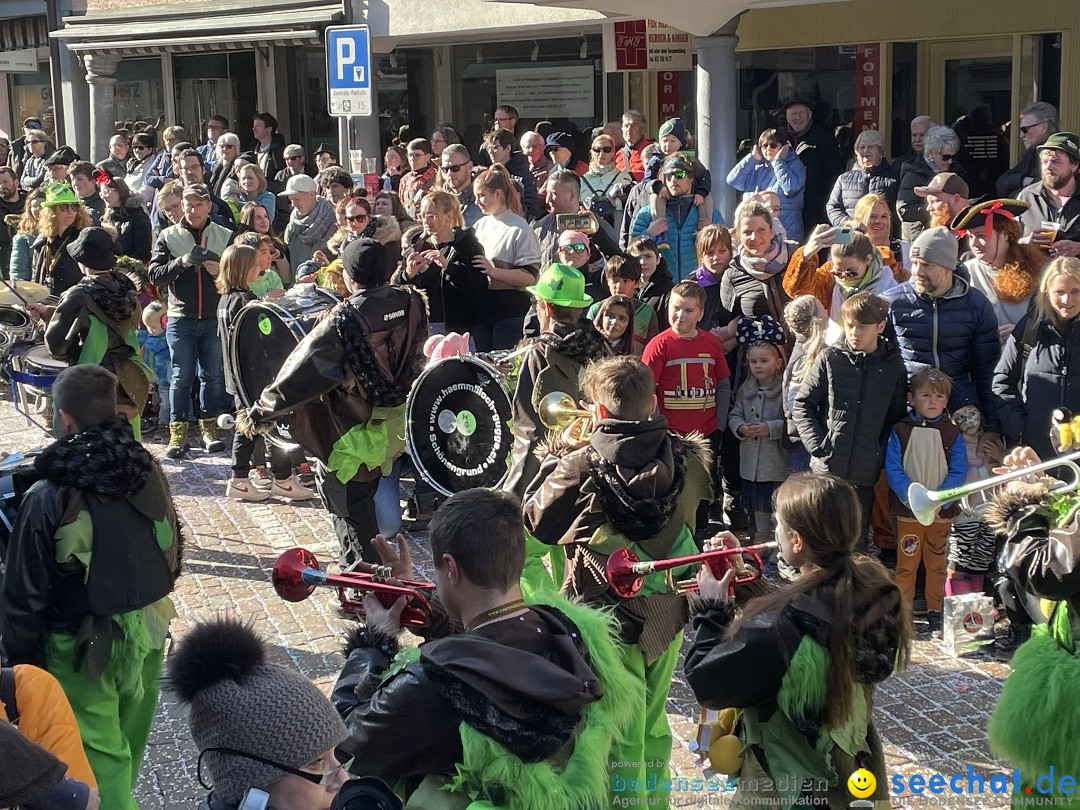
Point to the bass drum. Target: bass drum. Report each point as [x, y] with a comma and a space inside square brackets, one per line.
[457, 425]
[265, 333]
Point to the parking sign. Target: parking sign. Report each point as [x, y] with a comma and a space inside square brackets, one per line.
[348, 70]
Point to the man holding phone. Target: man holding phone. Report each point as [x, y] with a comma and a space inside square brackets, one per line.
[187, 259]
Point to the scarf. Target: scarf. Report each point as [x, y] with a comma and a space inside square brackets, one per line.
[582, 344]
[317, 226]
[869, 281]
[116, 299]
[763, 267]
[105, 460]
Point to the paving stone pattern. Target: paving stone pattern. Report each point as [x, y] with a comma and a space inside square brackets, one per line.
[932, 718]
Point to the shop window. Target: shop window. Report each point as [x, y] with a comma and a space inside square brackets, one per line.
[139, 90]
[31, 97]
[904, 90]
[216, 84]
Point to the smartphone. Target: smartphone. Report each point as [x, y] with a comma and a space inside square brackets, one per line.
[573, 222]
[843, 236]
[200, 255]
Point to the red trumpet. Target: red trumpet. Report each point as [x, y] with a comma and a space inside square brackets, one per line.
[297, 574]
[626, 572]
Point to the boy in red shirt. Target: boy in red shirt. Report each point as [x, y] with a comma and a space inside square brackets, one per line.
[693, 387]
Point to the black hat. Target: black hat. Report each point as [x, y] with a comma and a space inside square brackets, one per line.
[63, 156]
[250, 157]
[559, 139]
[982, 214]
[791, 102]
[94, 248]
[367, 262]
[325, 148]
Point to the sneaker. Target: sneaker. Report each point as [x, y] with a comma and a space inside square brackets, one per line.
[307, 475]
[1004, 647]
[918, 606]
[243, 489]
[934, 623]
[787, 572]
[291, 489]
[178, 444]
[210, 439]
[260, 478]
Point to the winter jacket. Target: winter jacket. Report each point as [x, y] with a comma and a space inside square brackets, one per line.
[135, 236]
[897, 467]
[682, 220]
[612, 183]
[192, 290]
[629, 158]
[22, 255]
[1042, 208]
[910, 207]
[637, 197]
[742, 294]
[656, 291]
[454, 292]
[855, 184]
[518, 167]
[786, 177]
[272, 159]
[715, 313]
[1028, 170]
[956, 333]
[53, 265]
[846, 407]
[760, 459]
[1032, 380]
[414, 185]
[775, 668]
[820, 153]
[636, 485]
[229, 306]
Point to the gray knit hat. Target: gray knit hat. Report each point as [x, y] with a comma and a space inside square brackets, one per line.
[936, 246]
[240, 701]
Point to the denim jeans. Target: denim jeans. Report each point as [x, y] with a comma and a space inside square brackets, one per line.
[388, 500]
[501, 334]
[195, 346]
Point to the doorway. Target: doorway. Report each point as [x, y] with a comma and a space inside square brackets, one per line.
[971, 90]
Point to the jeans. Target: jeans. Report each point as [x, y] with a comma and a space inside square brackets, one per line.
[195, 346]
[501, 334]
[388, 500]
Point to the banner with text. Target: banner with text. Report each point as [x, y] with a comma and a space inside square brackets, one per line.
[548, 92]
[646, 45]
[867, 86]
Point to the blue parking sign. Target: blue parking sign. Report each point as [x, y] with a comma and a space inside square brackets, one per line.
[348, 70]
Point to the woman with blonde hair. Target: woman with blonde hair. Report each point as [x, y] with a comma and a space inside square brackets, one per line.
[752, 284]
[62, 217]
[22, 243]
[252, 184]
[511, 260]
[441, 262]
[240, 268]
[603, 186]
[1032, 378]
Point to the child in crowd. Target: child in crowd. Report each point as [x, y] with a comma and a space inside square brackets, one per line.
[971, 540]
[693, 385]
[805, 319]
[268, 283]
[656, 279]
[623, 277]
[635, 485]
[843, 624]
[928, 449]
[612, 318]
[757, 418]
[672, 139]
[850, 399]
[575, 249]
[240, 268]
[156, 355]
[714, 254]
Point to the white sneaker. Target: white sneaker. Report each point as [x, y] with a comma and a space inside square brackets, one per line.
[243, 489]
[260, 478]
[291, 489]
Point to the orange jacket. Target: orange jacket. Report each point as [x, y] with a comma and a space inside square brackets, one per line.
[804, 276]
[45, 718]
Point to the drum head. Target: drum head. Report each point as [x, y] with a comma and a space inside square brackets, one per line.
[40, 361]
[458, 425]
[11, 318]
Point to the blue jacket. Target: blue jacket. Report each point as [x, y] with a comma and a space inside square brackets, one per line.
[156, 355]
[682, 218]
[786, 177]
[956, 333]
[899, 481]
[21, 264]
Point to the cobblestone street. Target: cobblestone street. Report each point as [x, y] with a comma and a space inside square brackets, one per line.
[932, 718]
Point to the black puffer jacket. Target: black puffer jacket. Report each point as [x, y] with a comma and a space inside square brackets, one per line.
[857, 183]
[846, 407]
[1032, 381]
[914, 218]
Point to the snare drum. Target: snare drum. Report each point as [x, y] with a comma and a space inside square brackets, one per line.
[457, 425]
[265, 333]
[15, 327]
[34, 369]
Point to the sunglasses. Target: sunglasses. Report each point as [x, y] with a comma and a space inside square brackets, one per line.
[454, 167]
[294, 157]
[577, 247]
[948, 158]
[605, 149]
[847, 273]
[140, 148]
[1029, 127]
[678, 174]
[66, 207]
[32, 142]
[357, 218]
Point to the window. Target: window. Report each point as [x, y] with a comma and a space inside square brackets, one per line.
[216, 83]
[139, 90]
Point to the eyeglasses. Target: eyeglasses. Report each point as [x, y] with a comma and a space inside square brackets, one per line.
[33, 142]
[502, 118]
[294, 157]
[1029, 127]
[140, 148]
[454, 167]
[678, 174]
[605, 149]
[67, 207]
[417, 154]
[577, 247]
[321, 779]
[358, 218]
[948, 158]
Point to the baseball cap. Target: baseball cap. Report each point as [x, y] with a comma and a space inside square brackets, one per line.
[557, 139]
[298, 184]
[677, 163]
[1065, 142]
[936, 246]
[197, 190]
[945, 183]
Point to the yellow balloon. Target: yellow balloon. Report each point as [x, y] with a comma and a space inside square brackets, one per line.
[725, 754]
[861, 783]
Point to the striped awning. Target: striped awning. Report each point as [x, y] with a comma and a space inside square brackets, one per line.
[21, 33]
[216, 27]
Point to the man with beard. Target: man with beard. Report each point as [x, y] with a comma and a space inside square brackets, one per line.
[946, 196]
[1054, 197]
[12, 201]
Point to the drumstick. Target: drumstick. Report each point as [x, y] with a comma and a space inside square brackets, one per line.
[14, 291]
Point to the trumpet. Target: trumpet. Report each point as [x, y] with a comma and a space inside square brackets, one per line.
[626, 572]
[296, 575]
[558, 411]
[924, 502]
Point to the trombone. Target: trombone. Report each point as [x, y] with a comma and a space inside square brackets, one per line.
[626, 571]
[558, 411]
[924, 502]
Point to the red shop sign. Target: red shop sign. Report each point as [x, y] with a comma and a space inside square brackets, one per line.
[867, 86]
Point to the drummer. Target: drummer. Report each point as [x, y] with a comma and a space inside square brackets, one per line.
[345, 386]
[95, 322]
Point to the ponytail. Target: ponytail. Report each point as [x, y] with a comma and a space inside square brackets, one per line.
[497, 178]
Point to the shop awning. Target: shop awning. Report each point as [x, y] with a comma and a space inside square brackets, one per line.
[698, 17]
[219, 27]
[20, 33]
